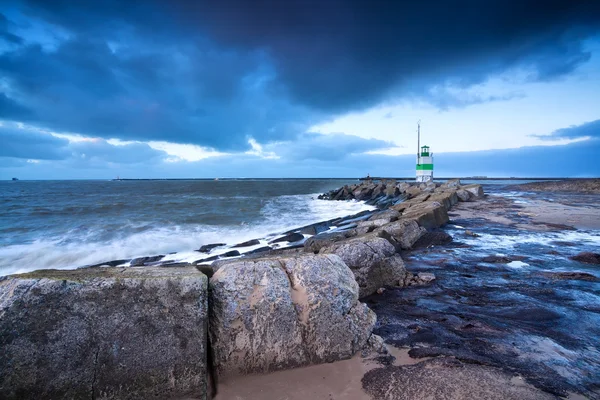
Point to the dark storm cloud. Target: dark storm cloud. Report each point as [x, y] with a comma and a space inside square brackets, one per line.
[148, 94]
[20, 143]
[102, 151]
[11, 109]
[337, 55]
[5, 34]
[589, 129]
[217, 73]
[24, 143]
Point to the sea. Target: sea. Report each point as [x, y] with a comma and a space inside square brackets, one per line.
[69, 224]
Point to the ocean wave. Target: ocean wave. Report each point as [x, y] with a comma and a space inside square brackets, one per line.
[114, 240]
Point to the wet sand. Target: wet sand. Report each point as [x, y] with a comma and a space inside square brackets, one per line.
[339, 380]
[402, 377]
[541, 212]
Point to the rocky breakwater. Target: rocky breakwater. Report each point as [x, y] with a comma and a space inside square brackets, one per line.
[410, 214]
[141, 332]
[100, 333]
[144, 331]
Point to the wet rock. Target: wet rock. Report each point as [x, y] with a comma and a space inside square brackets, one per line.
[315, 243]
[425, 277]
[471, 233]
[463, 195]
[103, 333]
[248, 243]
[290, 237]
[259, 250]
[448, 199]
[497, 259]
[429, 215]
[562, 243]
[587, 257]
[232, 253]
[373, 262]
[112, 263]
[574, 275]
[591, 185]
[430, 239]
[452, 184]
[389, 215]
[208, 247]
[207, 259]
[413, 191]
[391, 190]
[375, 344]
[406, 232]
[283, 312]
[345, 227]
[558, 227]
[420, 279]
[370, 225]
[176, 264]
[140, 261]
[475, 190]
[446, 379]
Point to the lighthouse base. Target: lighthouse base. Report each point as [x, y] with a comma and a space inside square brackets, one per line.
[424, 178]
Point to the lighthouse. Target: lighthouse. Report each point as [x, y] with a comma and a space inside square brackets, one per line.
[424, 160]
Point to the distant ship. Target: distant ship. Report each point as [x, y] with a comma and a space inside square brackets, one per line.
[15, 179]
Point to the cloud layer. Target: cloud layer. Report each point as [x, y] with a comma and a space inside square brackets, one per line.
[24, 144]
[218, 73]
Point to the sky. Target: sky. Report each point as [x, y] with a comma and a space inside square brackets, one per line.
[204, 89]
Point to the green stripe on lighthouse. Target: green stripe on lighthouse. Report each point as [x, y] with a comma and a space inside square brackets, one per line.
[424, 167]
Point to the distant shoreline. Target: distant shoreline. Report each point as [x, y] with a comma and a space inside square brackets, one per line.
[375, 178]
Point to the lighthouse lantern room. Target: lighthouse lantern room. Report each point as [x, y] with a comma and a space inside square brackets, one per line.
[424, 160]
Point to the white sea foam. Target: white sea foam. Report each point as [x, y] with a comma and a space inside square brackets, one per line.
[517, 264]
[491, 242]
[75, 249]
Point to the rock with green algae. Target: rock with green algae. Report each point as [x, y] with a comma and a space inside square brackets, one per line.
[118, 333]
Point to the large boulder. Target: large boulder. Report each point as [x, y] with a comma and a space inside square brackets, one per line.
[118, 333]
[389, 215]
[406, 232]
[463, 195]
[475, 190]
[315, 243]
[277, 313]
[391, 190]
[413, 191]
[373, 262]
[452, 184]
[448, 198]
[429, 215]
[370, 225]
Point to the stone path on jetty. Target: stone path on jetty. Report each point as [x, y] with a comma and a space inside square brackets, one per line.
[395, 303]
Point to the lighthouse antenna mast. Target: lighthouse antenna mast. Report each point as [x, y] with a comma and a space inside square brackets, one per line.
[418, 137]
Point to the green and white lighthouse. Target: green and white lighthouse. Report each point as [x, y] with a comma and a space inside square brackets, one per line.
[424, 160]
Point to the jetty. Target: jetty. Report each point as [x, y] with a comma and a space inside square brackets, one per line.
[310, 297]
